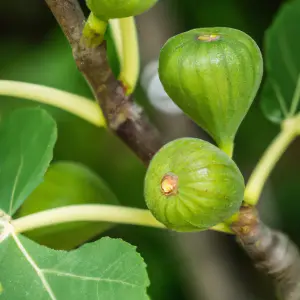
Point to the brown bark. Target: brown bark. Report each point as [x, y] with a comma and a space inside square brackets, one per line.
[271, 251]
[124, 118]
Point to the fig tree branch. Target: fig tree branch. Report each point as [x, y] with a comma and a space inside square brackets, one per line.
[123, 116]
[271, 251]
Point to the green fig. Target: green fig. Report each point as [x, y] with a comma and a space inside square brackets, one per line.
[213, 75]
[104, 10]
[67, 183]
[116, 9]
[192, 185]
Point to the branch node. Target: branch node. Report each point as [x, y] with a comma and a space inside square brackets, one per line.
[271, 251]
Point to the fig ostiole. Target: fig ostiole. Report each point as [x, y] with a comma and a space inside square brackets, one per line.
[213, 75]
[104, 10]
[192, 185]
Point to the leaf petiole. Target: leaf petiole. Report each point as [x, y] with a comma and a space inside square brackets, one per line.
[93, 213]
[5, 230]
[126, 40]
[74, 104]
[290, 129]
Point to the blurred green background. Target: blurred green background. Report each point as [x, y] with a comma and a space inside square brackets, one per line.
[181, 266]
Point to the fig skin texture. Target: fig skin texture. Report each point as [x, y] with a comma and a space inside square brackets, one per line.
[116, 9]
[213, 75]
[191, 185]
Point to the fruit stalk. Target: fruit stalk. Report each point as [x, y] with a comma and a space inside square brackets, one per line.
[94, 30]
[104, 10]
[228, 148]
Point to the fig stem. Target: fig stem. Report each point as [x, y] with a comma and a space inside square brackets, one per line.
[228, 148]
[74, 104]
[93, 213]
[125, 36]
[93, 31]
[290, 129]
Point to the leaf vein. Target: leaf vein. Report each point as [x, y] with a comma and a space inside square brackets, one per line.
[286, 56]
[89, 278]
[280, 98]
[11, 202]
[115, 263]
[296, 98]
[38, 271]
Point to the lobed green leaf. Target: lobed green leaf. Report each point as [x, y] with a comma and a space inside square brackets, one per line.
[107, 269]
[27, 138]
[281, 91]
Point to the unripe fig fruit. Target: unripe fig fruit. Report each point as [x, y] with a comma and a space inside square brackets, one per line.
[67, 183]
[192, 185]
[116, 9]
[213, 75]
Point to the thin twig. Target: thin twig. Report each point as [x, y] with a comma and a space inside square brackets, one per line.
[124, 118]
[272, 252]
